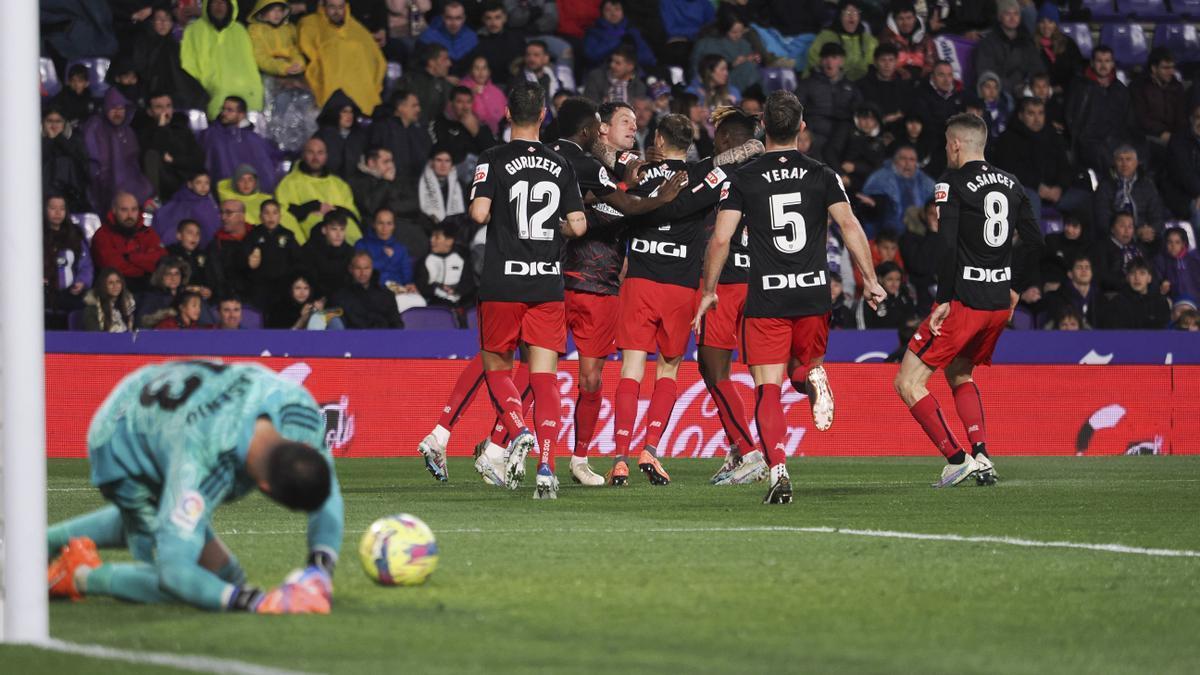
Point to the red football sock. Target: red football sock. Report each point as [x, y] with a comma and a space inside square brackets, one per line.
[547, 412]
[625, 417]
[799, 378]
[506, 401]
[662, 402]
[587, 413]
[732, 412]
[464, 392]
[768, 412]
[970, 410]
[499, 433]
[521, 382]
[928, 414]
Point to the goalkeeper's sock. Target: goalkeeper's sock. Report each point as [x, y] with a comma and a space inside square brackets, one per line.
[103, 526]
[134, 582]
[463, 393]
[662, 402]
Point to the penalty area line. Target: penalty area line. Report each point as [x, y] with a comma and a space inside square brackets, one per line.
[845, 531]
[200, 664]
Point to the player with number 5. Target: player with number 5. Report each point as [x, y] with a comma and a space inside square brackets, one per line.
[785, 200]
[528, 197]
[977, 205]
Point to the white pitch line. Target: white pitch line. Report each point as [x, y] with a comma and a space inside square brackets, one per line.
[880, 534]
[200, 664]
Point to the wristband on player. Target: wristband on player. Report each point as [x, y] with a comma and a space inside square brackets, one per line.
[322, 559]
[245, 599]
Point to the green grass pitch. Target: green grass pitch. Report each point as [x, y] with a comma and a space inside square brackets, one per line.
[678, 579]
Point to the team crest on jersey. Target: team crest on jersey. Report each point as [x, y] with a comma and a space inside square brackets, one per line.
[782, 159]
[481, 173]
[606, 179]
[714, 177]
[941, 192]
[188, 511]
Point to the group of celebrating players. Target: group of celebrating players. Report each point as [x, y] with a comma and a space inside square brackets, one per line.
[173, 441]
[630, 254]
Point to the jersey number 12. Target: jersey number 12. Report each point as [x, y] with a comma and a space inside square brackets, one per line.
[543, 192]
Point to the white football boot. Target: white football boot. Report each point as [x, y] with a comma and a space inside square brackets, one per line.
[434, 452]
[820, 398]
[547, 484]
[582, 473]
[748, 468]
[489, 462]
[987, 471]
[780, 491]
[514, 467]
[953, 474]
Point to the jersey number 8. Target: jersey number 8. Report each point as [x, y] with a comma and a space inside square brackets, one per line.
[995, 227]
[783, 220]
[535, 227]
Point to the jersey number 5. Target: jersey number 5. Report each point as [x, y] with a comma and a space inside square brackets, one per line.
[995, 226]
[542, 192]
[792, 221]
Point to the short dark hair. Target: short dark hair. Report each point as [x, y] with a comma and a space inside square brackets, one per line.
[229, 298]
[238, 101]
[1177, 231]
[738, 126]
[1119, 215]
[538, 43]
[676, 131]
[159, 93]
[268, 202]
[526, 101]
[78, 70]
[574, 115]
[334, 218]
[886, 49]
[447, 227]
[886, 235]
[1078, 257]
[607, 110]
[627, 52]
[184, 296]
[298, 476]
[185, 222]
[399, 96]
[887, 267]
[1027, 102]
[460, 90]
[491, 6]
[782, 115]
[430, 52]
[969, 122]
[942, 62]
[375, 216]
[372, 152]
[1138, 263]
[1068, 311]
[1158, 55]
[1101, 49]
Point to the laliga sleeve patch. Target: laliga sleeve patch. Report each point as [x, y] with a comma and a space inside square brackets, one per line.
[724, 190]
[626, 157]
[188, 511]
[714, 177]
[481, 174]
[606, 179]
[941, 192]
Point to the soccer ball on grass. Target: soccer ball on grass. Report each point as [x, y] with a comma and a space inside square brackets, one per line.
[398, 550]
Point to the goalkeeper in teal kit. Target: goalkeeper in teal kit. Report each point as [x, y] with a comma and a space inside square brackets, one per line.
[170, 444]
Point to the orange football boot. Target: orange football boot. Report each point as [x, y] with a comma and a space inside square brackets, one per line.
[618, 475]
[653, 469]
[78, 551]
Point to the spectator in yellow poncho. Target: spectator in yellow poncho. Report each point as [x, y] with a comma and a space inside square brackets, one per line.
[276, 47]
[243, 187]
[341, 55]
[310, 191]
[216, 50]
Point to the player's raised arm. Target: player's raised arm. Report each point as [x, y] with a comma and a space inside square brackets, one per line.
[860, 251]
[636, 206]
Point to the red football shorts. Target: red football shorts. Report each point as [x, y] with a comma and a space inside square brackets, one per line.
[655, 316]
[969, 333]
[503, 324]
[766, 341]
[721, 325]
[592, 319]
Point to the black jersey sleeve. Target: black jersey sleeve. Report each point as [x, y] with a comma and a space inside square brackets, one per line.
[835, 191]
[731, 197]
[572, 200]
[703, 195]
[484, 184]
[948, 229]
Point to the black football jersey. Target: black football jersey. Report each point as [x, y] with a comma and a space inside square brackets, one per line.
[532, 189]
[593, 262]
[669, 251]
[980, 206]
[784, 198]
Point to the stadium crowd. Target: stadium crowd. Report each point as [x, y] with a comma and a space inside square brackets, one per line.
[308, 164]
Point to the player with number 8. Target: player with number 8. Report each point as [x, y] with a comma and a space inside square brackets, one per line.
[785, 200]
[976, 203]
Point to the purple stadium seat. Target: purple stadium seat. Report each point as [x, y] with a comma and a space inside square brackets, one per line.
[1145, 10]
[1022, 319]
[1128, 43]
[1187, 228]
[197, 120]
[252, 319]
[75, 320]
[1051, 225]
[394, 72]
[1081, 33]
[774, 79]
[49, 77]
[97, 68]
[1189, 9]
[1182, 39]
[473, 318]
[1102, 10]
[88, 222]
[429, 318]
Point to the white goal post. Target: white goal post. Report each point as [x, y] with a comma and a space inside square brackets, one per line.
[22, 376]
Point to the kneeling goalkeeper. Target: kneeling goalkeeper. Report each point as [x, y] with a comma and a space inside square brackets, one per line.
[171, 443]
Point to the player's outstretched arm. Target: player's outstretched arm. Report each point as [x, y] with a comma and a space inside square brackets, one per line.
[860, 251]
[714, 260]
[636, 206]
[325, 527]
[481, 210]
